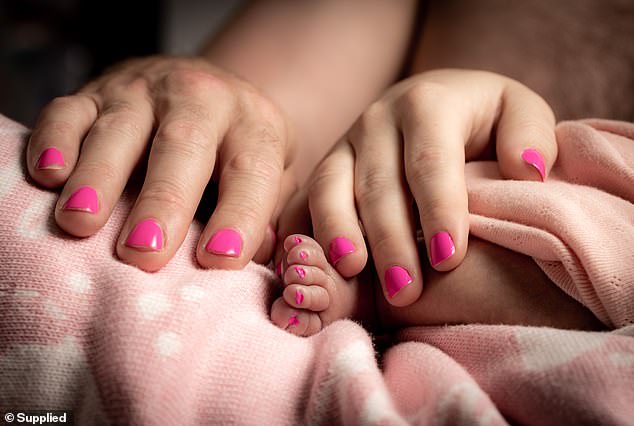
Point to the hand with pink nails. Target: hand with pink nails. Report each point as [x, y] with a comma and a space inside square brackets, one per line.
[228, 117]
[400, 168]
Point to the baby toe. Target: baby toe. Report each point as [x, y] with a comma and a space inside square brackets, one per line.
[295, 321]
[303, 274]
[308, 252]
[313, 297]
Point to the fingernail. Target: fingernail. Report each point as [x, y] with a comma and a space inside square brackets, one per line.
[535, 159]
[278, 269]
[83, 199]
[225, 242]
[303, 255]
[297, 240]
[442, 247]
[300, 271]
[293, 320]
[146, 236]
[396, 278]
[50, 158]
[340, 247]
[299, 297]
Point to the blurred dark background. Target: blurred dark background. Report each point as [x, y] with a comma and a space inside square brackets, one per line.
[50, 48]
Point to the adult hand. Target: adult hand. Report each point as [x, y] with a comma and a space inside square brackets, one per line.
[196, 121]
[411, 146]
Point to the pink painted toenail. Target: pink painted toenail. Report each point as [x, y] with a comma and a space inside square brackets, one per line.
[442, 247]
[340, 247]
[83, 199]
[297, 240]
[303, 255]
[300, 271]
[299, 297]
[396, 278]
[146, 236]
[293, 320]
[225, 242]
[535, 159]
[51, 158]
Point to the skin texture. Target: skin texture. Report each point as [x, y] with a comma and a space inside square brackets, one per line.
[491, 286]
[410, 146]
[253, 114]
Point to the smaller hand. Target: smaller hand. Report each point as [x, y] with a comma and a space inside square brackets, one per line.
[410, 147]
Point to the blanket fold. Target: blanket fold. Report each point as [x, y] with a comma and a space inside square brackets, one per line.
[81, 331]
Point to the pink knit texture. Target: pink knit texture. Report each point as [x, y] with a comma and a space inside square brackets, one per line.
[80, 330]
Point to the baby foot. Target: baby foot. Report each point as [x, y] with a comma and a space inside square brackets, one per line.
[315, 294]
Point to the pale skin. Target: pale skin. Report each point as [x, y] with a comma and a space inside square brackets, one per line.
[267, 89]
[484, 107]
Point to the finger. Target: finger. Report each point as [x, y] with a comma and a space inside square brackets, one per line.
[333, 211]
[385, 207]
[54, 144]
[435, 131]
[268, 247]
[526, 144]
[109, 154]
[251, 163]
[179, 167]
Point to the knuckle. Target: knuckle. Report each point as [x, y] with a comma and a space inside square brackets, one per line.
[375, 115]
[168, 193]
[182, 137]
[66, 103]
[102, 169]
[434, 208]
[195, 83]
[413, 100]
[58, 129]
[329, 221]
[120, 119]
[326, 175]
[242, 206]
[371, 185]
[262, 167]
[382, 240]
[426, 164]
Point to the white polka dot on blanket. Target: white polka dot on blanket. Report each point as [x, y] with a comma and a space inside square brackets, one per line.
[192, 293]
[79, 282]
[152, 304]
[544, 348]
[168, 343]
[33, 222]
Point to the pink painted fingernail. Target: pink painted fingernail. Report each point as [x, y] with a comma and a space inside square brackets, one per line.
[225, 242]
[340, 247]
[303, 255]
[297, 240]
[50, 158]
[442, 247]
[396, 278]
[83, 199]
[278, 269]
[146, 236]
[293, 320]
[535, 159]
[299, 297]
[300, 271]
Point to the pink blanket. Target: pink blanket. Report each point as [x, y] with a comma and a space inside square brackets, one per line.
[82, 331]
